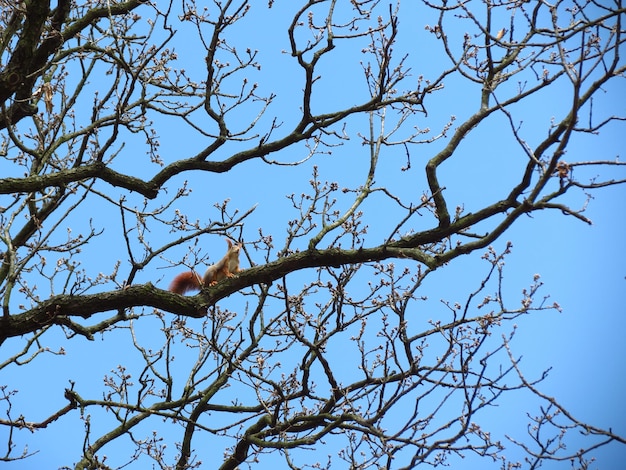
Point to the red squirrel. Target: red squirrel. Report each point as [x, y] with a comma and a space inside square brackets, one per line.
[228, 266]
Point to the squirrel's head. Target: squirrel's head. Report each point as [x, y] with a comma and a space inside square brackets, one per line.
[233, 248]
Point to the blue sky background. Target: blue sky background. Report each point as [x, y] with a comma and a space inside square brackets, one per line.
[582, 267]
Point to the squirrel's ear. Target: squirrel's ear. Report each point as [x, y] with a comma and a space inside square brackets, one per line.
[230, 244]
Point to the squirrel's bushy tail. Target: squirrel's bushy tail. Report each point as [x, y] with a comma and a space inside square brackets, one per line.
[185, 282]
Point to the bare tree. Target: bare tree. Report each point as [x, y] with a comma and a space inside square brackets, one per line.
[325, 341]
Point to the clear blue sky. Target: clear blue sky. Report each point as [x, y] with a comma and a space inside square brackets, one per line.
[583, 267]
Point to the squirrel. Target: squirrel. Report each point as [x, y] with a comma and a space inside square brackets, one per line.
[228, 266]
